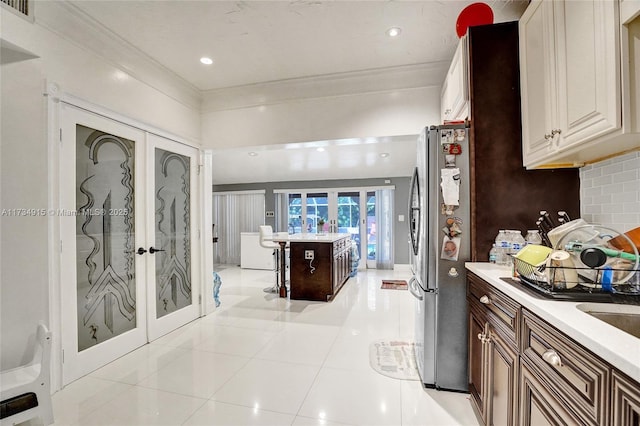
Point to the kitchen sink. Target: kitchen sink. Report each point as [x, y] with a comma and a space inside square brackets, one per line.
[622, 317]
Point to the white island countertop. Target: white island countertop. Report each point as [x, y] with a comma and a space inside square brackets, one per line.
[308, 238]
[620, 349]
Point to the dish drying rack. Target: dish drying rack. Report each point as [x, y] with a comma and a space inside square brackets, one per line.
[551, 280]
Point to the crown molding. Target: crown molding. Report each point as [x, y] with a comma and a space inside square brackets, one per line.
[75, 26]
[329, 85]
[72, 24]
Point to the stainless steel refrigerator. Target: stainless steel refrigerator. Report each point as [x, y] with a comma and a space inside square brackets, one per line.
[440, 227]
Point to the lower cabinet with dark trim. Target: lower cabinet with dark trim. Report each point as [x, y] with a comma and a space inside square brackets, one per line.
[321, 275]
[524, 371]
[625, 401]
[493, 353]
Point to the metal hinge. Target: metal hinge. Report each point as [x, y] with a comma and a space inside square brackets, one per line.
[60, 135]
[60, 246]
[199, 299]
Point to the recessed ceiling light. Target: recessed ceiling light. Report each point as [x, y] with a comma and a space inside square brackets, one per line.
[384, 154]
[321, 149]
[253, 154]
[394, 31]
[206, 61]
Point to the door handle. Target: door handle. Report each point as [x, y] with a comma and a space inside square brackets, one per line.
[412, 289]
[141, 251]
[153, 250]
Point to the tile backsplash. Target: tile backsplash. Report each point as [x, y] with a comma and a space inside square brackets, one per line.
[610, 192]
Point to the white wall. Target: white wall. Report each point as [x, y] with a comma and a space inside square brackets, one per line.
[610, 192]
[85, 74]
[357, 116]
[24, 261]
[94, 76]
[356, 105]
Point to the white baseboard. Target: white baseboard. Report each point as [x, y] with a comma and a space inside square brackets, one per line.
[402, 267]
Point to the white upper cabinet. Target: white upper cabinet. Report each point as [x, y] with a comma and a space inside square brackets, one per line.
[454, 99]
[571, 83]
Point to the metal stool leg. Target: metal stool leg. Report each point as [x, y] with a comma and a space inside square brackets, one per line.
[274, 288]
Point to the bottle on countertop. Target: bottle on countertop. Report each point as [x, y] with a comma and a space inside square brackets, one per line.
[509, 250]
[517, 241]
[493, 254]
[502, 247]
[533, 237]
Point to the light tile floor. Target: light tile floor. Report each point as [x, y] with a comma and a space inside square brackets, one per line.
[262, 360]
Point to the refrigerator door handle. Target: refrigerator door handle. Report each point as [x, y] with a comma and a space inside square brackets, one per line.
[414, 289]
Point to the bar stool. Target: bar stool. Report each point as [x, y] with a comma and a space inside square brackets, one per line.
[266, 233]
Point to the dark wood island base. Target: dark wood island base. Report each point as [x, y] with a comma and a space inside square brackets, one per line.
[320, 265]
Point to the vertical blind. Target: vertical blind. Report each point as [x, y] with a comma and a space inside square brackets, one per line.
[384, 222]
[282, 212]
[233, 213]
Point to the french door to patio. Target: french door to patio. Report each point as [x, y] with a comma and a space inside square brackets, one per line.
[128, 227]
[349, 211]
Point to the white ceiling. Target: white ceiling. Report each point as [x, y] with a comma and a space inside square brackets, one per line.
[262, 41]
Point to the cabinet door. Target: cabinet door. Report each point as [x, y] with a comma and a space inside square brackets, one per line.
[588, 70]
[502, 380]
[477, 359]
[536, 79]
[455, 89]
[625, 399]
[445, 103]
[538, 406]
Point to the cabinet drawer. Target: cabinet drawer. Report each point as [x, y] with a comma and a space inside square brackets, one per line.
[574, 375]
[505, 310]
[538, 406]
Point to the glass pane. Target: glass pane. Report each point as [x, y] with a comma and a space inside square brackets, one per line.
[371, 225]
[295, 213]
[349, 214]
[173, 237]
[105, 236]
[317, 208]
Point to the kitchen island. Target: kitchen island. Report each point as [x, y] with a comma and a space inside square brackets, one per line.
[536, 361]
[319, 265]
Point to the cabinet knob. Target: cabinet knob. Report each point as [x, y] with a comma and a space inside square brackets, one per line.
[481, 337]
[555, 132]
[547, 136]
[552, 358]
[485, 300]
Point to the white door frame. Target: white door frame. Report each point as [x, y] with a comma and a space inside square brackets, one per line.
[54, 96]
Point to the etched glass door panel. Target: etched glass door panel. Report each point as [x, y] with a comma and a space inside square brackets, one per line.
[101, 218]
[172, 233]
[105, 236]
[173, 294]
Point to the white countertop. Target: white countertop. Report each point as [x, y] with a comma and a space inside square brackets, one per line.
[618, 348]
[309, 238]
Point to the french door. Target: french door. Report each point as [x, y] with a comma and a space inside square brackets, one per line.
[127, 221]
[173, 299]
[349, 211]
